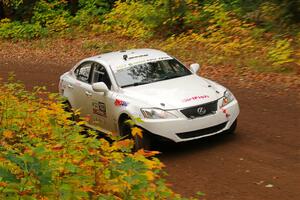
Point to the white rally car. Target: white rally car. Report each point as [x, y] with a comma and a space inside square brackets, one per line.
[170, 100]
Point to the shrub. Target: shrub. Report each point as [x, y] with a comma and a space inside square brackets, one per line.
[229, 40]
[134, 18]
[51, 15]
[224, 38]
[90, 12]
[213, 32]
[94, 7]
[19, 30]
[45, 12]
[144, 19]
[44, 155]
[281, 53]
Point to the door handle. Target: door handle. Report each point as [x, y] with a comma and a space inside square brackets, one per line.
[70, 86]
[88, 93]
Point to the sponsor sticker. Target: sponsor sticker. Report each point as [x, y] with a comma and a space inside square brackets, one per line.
[99, 108]
[119, 102]
[195, 98]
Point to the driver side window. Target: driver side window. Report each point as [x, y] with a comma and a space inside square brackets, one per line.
[100, 75]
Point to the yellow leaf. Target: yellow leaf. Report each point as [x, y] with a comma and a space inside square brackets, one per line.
[87, 189]
[147, 153]
[8, 134]
[123, 143]
[3, 184]
[137, 131]
[150, 175]
[92, 151]
[80, 123]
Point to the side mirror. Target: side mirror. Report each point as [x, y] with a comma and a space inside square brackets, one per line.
[100, 87]
[195, 68]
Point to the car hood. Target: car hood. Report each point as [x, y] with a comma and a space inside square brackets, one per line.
[175, 93]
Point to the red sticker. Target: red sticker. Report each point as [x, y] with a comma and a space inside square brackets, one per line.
[226, 113]
[119, 102]
[196, 98]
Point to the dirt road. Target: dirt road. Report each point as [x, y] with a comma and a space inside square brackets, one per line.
[260, 162]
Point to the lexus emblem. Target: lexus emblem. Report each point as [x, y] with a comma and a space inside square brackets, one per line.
[201, 111]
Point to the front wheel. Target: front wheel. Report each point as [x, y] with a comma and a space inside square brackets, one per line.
[139, 142]
[232, 128]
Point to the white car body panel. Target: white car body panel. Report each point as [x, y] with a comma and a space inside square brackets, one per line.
[175, 97]
[171, 95]
[169, 127]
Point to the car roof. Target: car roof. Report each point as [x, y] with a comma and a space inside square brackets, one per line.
[122, 59]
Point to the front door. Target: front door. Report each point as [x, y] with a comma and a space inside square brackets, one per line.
[102, 103]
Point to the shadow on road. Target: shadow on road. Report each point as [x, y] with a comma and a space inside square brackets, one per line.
[169, 149]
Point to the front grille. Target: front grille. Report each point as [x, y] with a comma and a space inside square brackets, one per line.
[193, 112]
[201, 132]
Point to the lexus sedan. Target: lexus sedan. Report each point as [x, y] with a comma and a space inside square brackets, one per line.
[157, 92]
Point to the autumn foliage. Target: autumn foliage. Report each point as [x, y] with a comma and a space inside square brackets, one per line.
[44, 155]
[260, 35]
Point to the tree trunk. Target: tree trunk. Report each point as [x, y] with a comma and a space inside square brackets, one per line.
[5, 11]
[73, 4]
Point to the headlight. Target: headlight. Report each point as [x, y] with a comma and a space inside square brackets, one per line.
[227, 98]
[156, 113]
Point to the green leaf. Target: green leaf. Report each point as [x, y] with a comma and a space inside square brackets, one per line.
[7, 176]
[139, 120]
[16, 160]
[200, 194]
[70, 167]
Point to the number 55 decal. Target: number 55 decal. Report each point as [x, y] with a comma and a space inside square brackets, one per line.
[99, 108]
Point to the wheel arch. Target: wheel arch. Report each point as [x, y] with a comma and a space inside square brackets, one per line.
[123, 116]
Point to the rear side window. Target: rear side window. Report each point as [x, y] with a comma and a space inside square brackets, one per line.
[83, 72]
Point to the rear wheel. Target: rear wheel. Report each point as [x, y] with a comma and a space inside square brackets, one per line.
[68, 108]
[139, 142]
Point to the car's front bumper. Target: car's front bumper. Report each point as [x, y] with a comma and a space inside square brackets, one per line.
[184, 129]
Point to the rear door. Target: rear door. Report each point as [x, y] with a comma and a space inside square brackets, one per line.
[78, 89]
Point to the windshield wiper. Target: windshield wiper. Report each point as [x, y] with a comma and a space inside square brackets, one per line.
[136, 84]
[170, 77]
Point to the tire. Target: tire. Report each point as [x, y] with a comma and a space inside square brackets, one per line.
[232, 128]
[139, 142]
[142, 143]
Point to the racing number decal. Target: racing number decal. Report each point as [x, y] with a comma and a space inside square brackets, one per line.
[99, 108]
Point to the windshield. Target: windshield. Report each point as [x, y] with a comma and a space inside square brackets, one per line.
[150, 72]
